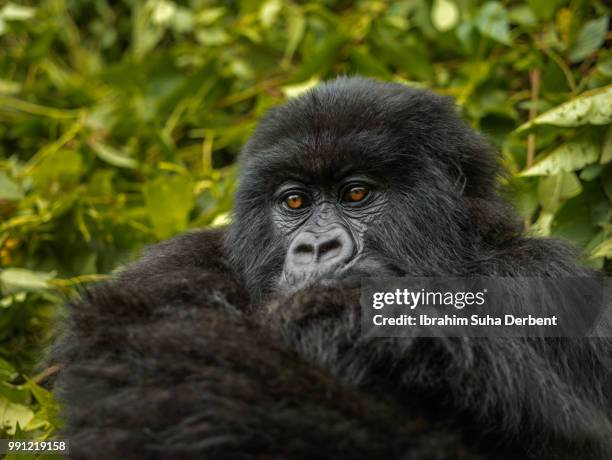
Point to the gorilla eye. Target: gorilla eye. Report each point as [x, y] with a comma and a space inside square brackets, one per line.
[295, 201]
[355, 194]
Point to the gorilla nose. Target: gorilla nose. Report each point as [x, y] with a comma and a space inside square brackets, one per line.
[320, 252]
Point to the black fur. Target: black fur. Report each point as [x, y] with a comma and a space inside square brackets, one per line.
[190, 354]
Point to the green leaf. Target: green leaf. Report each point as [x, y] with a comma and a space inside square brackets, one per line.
[169, 199]
[18, 394]
[39, 421]
[544, 9]
[604, 62]
[163, 12]
[523, 15]
[467, 36]
[9, 87]
[595, 262]
[212, 36]
[210, 14]
[296, 25]
[145, 32]
[101, 182]
[591, 172]
[594, 107]
[182, 21]
[492, 21]
[23, 280]
[13, 12]
[525, 198]
[366, 64]
[113, 156]
[591, 37]
[58, 170]
[222, 220]
[444, 15]
[9, 190]
[603, 250]
[268, 12]
[300, 88]
[43, 396]
[552, 190]
[322, 57]
[13, 414]
[7, 371]
[570, 156]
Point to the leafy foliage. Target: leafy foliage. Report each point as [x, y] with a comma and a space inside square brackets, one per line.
[120, 124]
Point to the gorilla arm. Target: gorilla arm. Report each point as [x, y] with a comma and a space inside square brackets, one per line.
[545, 396]
[163, 362]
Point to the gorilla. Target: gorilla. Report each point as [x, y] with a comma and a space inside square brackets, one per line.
[245, 342]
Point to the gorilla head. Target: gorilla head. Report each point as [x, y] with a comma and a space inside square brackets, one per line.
[359, 177]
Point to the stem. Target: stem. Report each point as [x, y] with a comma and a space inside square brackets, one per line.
[534, 78]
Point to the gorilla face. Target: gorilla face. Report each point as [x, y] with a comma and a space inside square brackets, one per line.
[357, 178]
[325, 225]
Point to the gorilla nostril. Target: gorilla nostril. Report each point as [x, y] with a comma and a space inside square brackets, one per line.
[328, 246]
[304, 249]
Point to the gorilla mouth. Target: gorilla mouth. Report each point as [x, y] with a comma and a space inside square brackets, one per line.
[365, 267]
[349, 274]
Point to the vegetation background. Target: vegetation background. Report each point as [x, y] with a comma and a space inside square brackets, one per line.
[120, 123]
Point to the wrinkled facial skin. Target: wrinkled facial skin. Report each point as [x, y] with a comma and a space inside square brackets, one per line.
[324, 227]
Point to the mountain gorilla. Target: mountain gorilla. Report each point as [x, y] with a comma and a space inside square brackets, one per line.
[245, 343]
